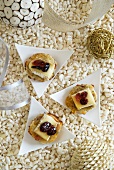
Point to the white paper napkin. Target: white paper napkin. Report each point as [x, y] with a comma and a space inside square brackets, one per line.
[94, 114]
[61, 56]
[29, 143]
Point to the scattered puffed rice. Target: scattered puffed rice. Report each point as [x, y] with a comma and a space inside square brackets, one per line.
[81, 64]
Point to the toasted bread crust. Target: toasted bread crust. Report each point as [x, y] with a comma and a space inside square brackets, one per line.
[43, 57]
[69, 101]
[34, 124]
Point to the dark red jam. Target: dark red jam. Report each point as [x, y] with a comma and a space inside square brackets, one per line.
[84, 101]
[45, 126]
[83, 94]
[81, 97]
[78, 96]
[41, 65]
[48, 127]
[52, 130]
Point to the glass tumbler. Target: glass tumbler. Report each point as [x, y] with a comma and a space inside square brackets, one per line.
[4, 59]
[12, 96]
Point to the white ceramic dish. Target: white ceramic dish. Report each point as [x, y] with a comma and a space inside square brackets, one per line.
[94, 114]
[61, 56]
[29, 143]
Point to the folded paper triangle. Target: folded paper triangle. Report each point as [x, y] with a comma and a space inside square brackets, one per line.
[29, 143]
[61, 56]
[94, 114]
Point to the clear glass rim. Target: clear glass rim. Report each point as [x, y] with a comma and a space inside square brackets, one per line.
[7, 52]
[5, 64]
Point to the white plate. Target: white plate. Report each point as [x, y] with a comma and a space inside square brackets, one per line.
[61, 56]
[94, 114]
[29, 143]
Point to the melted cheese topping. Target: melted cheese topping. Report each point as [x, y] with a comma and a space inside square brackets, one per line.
[45, 118]
[90, 98]
[42, 74]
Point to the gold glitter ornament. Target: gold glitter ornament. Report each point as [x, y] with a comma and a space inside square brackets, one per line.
[101, 43]
[92, 155]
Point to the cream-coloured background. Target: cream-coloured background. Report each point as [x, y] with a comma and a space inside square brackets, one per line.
[81, 64]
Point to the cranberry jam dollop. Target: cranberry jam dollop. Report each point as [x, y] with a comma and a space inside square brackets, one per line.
[41, 65]
[48, 127]
[84, 101]
[83, 94]
[81, 97]
[52, 130]
[45, 126]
